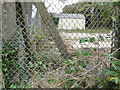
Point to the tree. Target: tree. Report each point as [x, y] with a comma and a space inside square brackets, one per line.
[42, 33]
[97, 14]
[27, 9]
[22, 24]
[117, 29]
[8, 28]
[48, 21]
[8, 16]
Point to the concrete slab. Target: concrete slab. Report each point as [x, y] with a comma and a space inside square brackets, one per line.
[72, 39]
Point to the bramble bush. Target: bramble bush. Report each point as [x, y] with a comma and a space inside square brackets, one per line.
[74, 73]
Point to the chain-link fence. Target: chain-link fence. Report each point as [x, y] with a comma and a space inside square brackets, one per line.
[56, 43]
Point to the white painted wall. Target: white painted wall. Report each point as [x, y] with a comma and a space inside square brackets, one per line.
[69, 23]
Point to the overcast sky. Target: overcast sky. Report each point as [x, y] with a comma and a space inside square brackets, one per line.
[56, 6]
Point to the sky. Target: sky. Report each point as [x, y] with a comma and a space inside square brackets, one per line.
[56, 6]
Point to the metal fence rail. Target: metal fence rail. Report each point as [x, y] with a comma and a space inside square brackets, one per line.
[44, 46]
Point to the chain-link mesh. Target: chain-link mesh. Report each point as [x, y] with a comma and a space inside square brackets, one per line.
[0, 44]
[55, 43]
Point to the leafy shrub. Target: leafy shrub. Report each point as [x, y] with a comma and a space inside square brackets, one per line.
[10, 54]
[110, 77]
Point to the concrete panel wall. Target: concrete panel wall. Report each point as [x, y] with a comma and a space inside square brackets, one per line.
[68, 23]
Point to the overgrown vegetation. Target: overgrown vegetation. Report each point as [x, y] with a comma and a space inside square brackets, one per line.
[10, 56]
[76, 73]
[16, 69]
[86, 69]
[110, 77]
